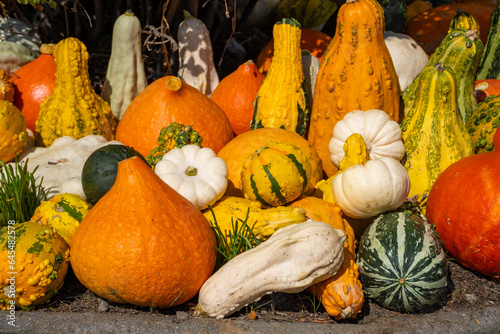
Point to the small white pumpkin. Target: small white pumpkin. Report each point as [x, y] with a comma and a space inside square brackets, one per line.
[195, 173]
[408, 57]
[292, 259]
[196, 59]
[61, 164]
[382, 135]
[364, 191]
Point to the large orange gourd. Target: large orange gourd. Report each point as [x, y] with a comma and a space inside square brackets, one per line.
[33, 83]
[357, 73]
[143, 243]
[464, 206]
[169, 100]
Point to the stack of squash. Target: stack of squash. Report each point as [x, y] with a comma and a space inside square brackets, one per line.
[315, 155]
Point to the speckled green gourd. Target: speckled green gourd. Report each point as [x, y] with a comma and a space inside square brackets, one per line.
[281, 100]
[489, 67]
[433, 131]
[483, 124]
[461, 50]
[464, 20]
[73, 109]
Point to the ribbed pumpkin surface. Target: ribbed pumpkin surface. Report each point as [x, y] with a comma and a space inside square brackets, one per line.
[143, 243]
[169, 100]
[401, 263]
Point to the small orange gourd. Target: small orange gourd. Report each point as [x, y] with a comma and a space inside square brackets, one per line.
[143, 243]
[236, 93]
[169, 100]
[342, 295]
[6, 87]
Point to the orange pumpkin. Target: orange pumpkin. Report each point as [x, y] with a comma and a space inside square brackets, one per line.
[316, 42]
[463, 205]
[241, 147]
[429, 28]
[342, 295]
[33, 83]
[486, 87]
[143, 243]
[6, 87]
[236, 94]
[169, 100]
[357, 73]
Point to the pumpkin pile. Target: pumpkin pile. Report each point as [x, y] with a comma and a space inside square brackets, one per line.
[349, 166]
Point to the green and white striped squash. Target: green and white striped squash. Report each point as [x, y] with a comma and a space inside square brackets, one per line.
[401, 262]
[489, 67]
[461, 50]
[483, 124]
[275, 174]
[433, 132]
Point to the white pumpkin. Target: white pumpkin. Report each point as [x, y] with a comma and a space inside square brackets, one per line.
[408, 57]
[195, 173]
[61, 164]
[364, 191]
[382, 135]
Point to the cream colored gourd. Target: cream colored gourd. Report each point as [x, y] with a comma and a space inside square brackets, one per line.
[196, 60]
[408, 57]
[61, 164]
[196, 173]
[371, 187]
[125, 76]
[292, 259]
[310, 66]
[382, 135]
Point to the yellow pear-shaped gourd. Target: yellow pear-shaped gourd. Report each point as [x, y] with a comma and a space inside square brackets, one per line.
[13, 134]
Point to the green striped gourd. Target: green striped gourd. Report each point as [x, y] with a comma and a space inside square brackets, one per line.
[401, 262]
[433, 132]
[275, 174]
[483, 124]
[461, 50]
[464, 20]
[489, 68]
[281, 100]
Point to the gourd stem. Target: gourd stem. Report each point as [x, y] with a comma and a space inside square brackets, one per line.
[191, 171]
[439, 66]
[472, 35]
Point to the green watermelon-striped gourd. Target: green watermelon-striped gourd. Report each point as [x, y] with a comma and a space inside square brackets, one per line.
[275, 174]
[401, 262]
[433, 131]
[489, 67]
[483, 124]
[461, 50]
[281, 100]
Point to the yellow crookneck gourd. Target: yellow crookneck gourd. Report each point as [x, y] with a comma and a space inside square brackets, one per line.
[73, 109]
[433, 131]
[356, 153]
[281, 100]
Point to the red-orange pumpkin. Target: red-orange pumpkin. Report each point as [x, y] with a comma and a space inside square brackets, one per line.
[316, 42]
[143, 243]
[33, 83]
[169, 100]
[429, 28]
[236, 93]
[464, 206]
[486, 87]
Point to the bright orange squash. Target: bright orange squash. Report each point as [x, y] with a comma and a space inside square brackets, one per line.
[143, 243]
[169, 100]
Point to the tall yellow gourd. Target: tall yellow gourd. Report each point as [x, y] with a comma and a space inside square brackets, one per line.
[357, 73]
[281, 100]
[73, 109]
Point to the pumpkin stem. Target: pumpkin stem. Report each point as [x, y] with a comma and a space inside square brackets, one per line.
[47, 48]
[191, 171]
[173, 83]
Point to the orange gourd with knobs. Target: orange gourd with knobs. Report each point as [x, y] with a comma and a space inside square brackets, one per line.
[143, 243]
[357, 73]
[169, 100]
[464, 206]
[33, 83]
[236, 93]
